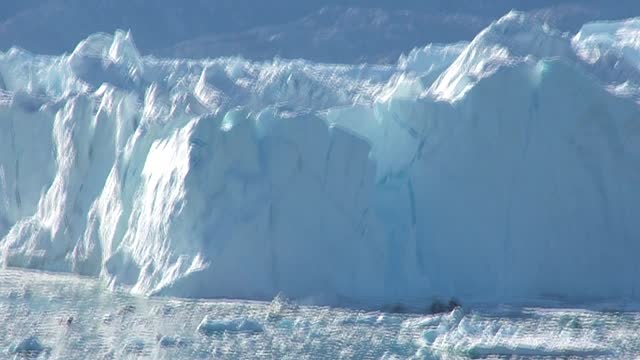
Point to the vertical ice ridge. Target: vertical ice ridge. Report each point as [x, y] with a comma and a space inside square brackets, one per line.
[496, 170]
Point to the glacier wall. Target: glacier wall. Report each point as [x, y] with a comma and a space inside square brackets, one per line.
[503, 169]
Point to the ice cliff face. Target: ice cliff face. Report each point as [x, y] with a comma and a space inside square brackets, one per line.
[498, 170]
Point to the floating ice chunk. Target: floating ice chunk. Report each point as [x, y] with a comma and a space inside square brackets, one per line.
[280, 306]
[167, 341]
[210, 326]
[133, 346]
[30, 347]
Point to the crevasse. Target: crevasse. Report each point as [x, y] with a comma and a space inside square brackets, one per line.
[504, 169]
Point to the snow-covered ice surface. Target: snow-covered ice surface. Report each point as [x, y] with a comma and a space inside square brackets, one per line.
[501, 170]
[50, 316]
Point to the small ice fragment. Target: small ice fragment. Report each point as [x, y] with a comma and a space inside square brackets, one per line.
[209, 326]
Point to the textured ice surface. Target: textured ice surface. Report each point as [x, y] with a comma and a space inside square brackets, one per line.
[499, 170]
[166, 328]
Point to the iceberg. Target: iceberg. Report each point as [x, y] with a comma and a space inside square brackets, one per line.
[499, 170]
